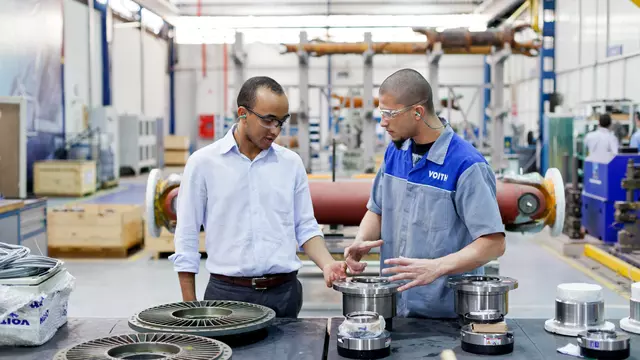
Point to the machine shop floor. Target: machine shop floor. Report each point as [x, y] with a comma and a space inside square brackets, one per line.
[119, 288]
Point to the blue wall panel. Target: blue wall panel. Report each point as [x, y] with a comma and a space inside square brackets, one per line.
[31, 54]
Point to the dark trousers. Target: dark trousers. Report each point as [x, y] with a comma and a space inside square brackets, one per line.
[284, 299]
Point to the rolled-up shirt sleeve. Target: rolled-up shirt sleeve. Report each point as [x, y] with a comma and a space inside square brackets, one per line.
[306, 225]
[375, 200]
[190, 213]
[476, 201]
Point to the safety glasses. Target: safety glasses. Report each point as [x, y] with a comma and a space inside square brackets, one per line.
[390, 114]
[269, 121]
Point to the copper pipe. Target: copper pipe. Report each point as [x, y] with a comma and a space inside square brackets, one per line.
[453, 41]
[345, 102]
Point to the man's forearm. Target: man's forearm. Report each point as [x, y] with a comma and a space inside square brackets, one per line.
[317, 251]
[187, 285]
[474, 255]
[370, 227]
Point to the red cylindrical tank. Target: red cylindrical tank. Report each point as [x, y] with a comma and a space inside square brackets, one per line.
[345, 203]
[340, 203]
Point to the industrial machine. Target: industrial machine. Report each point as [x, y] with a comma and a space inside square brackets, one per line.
[604, 185]
[362, 335]
[528, 203]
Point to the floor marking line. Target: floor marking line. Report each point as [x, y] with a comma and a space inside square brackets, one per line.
[609, 285]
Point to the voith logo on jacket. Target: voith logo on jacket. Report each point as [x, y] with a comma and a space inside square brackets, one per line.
[438, 176]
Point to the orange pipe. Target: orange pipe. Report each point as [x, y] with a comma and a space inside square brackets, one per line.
[454, 41]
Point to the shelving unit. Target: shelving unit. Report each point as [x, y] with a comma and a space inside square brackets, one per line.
[138, 143]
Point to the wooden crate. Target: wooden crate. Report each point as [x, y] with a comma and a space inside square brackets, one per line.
[91, 227]
[176, 157]
[164, 243]
[174, 142]
[64, 178]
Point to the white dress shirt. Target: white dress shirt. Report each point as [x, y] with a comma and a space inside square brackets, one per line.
[601, 141]
[256, 214]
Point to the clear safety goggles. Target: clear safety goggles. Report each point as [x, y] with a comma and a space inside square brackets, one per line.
[269, 121]
[390, 114]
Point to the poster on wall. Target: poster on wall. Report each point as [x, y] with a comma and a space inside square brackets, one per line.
[30, 67]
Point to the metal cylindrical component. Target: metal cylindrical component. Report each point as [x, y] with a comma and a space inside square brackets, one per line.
[580, 314]
[634, 310]
[486, 343]
[383, 305]
[369, 293]
[477, 294]
[604, 344]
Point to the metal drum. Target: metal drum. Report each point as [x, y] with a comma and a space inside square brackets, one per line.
[604, 344]
[481, 293]
[369, 293]
[148, 346]
[632, 322]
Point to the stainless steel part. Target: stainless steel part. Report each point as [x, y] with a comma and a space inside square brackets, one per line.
[634, 310]
[604, 340]
[485, 339]
[377, 343]
[368, 293]
[473, 293]
[581, 315]
[148, 346]
[212, 318]
[484, 316]
[363, 317]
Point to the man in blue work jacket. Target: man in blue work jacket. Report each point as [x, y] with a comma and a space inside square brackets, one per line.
[433, 207]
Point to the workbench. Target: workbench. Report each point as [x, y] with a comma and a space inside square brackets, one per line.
[24, 222]
[304, 339]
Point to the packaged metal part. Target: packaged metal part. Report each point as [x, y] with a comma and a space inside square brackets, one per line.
[362, 325]
[33, 309]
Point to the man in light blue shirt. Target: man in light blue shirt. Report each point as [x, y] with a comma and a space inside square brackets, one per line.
[433, 207]
[635, 138]
[252, 196]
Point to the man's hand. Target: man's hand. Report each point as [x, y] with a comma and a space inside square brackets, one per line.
[354, 252]
[419, 271]
[336, 270]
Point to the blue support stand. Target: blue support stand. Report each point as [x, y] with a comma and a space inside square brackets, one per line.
[172, 83]
[547, 76]
[487, 96]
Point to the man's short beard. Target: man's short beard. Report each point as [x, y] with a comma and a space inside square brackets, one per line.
[398, 143]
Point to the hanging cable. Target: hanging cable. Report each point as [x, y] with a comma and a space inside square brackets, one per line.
[16, 262]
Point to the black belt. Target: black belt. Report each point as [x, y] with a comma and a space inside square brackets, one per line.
[257, 283]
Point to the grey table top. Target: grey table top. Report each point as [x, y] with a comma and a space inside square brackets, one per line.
[421, 339]
[287, 339]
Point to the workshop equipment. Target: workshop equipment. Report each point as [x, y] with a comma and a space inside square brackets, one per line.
[579, 307]
[211, 318]
[481, 295]
[603, 176]
[573, 195]
[369, 293]
[631, 323]
[362, 336]
[627, 210]
[451, 41]
[528, 203]
[604, 344]
[148, 346]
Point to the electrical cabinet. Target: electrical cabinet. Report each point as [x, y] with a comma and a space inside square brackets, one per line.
[138, 142]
